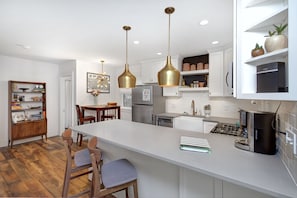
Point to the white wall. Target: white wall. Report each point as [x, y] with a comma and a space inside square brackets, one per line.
[84, 98]
[27, 70]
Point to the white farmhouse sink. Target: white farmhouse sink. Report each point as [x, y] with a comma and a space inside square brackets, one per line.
[189, 123]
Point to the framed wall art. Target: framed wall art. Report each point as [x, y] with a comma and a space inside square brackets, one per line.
[100, 82]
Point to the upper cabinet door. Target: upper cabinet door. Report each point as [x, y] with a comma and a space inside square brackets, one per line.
[221, 71]
[216, 68]
[254, 19]
[228, 72]
[150, 68]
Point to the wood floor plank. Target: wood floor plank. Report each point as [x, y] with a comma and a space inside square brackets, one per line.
[36, 169]
[2, 157]
[19, 169]
[4, 188]
[8, 174]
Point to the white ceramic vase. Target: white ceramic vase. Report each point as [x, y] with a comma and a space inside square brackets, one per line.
[96, 100]
[276, 42]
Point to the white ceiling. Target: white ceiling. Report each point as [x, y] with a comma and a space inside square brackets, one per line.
[91, 30]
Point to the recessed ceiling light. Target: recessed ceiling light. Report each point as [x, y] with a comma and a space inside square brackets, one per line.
[204, 22]
[159, 53]
[215, 42]
[136, 42]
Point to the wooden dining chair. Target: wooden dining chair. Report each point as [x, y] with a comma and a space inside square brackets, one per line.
[81, 119]
[111, 177]
[109, 114]
[77, 164]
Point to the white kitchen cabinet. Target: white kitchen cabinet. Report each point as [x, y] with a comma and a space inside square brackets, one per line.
[208, 126]
[171, 91]
[228, 72]
[220, 72]
[126, 114]
[233, 190]
[188, 89]
[216, 68]
[194, 184]
[189, 123]
[254, 19]
[150, 68]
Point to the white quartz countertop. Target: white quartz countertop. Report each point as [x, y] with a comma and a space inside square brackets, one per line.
[264, 173]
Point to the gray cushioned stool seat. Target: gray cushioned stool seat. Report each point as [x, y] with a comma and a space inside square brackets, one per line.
[82, 157]
[118, 172]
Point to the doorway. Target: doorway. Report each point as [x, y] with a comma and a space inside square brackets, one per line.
[66, 103]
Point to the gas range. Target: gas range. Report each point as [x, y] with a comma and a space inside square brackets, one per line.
[227, 129]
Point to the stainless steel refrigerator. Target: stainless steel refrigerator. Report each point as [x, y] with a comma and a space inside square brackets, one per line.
[147, 101]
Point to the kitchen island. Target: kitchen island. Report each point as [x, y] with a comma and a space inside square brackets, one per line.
[166, 171]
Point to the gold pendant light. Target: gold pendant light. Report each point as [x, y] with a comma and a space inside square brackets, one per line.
[127, 79]
[103, 80]
[168, 76]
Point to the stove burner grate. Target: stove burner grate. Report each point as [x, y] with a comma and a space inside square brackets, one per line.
[228, 129]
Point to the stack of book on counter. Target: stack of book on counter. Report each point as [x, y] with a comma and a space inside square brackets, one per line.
[194, 144]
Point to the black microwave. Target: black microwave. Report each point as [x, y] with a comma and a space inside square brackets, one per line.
[271, 77]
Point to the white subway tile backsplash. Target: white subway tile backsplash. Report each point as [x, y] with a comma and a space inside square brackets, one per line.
[292, 119]
[288, 120]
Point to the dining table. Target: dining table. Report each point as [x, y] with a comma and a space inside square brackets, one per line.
[102, 109]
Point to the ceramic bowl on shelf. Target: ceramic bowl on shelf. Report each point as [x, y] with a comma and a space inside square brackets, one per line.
[24, 89]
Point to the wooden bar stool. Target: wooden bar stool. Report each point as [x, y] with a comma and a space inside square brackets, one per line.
[77, 164]
[110, 177]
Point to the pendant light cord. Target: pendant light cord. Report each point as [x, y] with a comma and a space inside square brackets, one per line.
[102, 67]
[169, 37]
[126, 49]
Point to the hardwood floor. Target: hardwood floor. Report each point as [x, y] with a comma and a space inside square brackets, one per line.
[36, 169]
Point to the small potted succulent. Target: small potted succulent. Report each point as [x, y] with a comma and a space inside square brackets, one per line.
[257, 51]
[276, 39]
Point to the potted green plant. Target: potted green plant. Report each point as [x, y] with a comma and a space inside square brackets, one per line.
[257, 51]
[276, 39]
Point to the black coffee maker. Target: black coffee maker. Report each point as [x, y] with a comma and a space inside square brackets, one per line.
[260, 132]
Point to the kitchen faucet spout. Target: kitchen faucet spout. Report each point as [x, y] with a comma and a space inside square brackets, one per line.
[193, 107]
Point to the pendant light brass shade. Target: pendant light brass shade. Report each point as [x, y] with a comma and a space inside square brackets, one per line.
[126, 79]
[168, 76]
